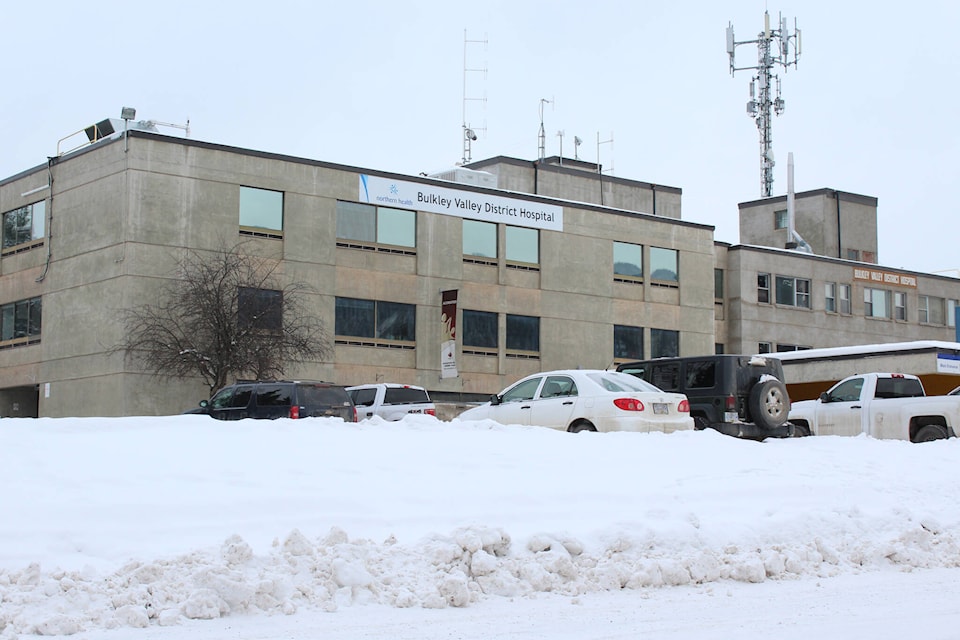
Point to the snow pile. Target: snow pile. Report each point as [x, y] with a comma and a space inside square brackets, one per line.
[535, 512]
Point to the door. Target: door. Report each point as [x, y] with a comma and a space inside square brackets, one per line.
[231, 403]
[840, 413]
[516, 402]
[554, 406]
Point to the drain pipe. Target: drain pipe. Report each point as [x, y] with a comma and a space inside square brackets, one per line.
[49, 223]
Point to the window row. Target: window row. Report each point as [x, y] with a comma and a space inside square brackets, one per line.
[24, 225]
[19, 320]
[877, 303]
[377, 322]
[368, 226]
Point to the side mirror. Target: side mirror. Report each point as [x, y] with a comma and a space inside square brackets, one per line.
[204, 404]
[824, 397]
[494, 399]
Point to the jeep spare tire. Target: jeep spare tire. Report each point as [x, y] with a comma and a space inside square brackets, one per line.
[769, 403]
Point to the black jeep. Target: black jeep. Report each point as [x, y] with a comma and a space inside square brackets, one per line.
[271, 399]
[739, 395]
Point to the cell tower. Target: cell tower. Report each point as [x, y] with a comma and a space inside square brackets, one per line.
[774, 47]
[470, 133]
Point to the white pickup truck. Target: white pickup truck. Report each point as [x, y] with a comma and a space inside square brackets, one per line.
[390, 401]
[882, 405]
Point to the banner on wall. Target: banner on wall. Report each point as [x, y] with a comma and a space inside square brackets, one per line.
[448, 332]
[464, 204]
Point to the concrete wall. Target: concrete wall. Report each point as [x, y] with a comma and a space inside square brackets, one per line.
[121, 220]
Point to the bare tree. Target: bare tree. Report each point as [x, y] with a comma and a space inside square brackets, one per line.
[225, 315]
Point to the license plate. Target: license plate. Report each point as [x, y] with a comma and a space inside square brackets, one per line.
[661, 408]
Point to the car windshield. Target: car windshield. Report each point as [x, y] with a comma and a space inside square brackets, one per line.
[616, 382]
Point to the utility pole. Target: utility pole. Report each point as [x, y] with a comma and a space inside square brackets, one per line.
[774, 47]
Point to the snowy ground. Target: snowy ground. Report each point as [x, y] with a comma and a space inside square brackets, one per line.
[187, 527]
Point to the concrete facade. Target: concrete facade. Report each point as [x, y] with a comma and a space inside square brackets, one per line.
[834, 223]
[120, 214]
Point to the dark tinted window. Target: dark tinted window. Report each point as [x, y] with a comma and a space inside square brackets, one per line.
[404, 395]
[274, 395]
[899, 388]
[260, 309]
[322, 395]
[363, 397]
[241, 397]
[666, 376]
[701, 375]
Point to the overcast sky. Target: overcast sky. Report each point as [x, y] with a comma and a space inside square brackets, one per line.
[870, 109]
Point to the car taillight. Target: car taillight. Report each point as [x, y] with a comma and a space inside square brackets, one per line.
[628, 404]
[684, 406]
[294, 412]
[731, 403]
[355, 419]
[431, 412]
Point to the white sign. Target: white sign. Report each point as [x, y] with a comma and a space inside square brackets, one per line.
[464, 204]
[948, 364]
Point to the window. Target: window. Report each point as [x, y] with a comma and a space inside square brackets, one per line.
[876, 303]
[260, 309]
[794, 292]
[783, 348]
[845, 305]
[899, 305]
[627, 262]
[763, 287]
[931, 310]
[627, 342]
[377, 320]
[20, 321]
[480, 240]
[479, 330]
[718, 284]
[853, 254]
[523, 334]
[780, 219]
[664, 343]
[764, 347]
[376, 228]
[522, 391]
[830, 297]
[24, 225]
[718, 347]
[664, 265]
[952, 313]
[701, 374]
[261, 212]
[523, 245]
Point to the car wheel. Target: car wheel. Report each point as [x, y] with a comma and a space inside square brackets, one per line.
[930, 432]
[581, 425]
[769, 404]
[700, 423]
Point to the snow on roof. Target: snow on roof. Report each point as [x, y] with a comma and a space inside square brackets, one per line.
[866, 349]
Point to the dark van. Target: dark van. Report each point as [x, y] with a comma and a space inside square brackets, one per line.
[739, 395]
[271, 399]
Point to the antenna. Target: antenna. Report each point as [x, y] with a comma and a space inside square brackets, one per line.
[470, 133]
[760, 104]
[542, 138]
[560, 135]
[599, 142]
[576, 147]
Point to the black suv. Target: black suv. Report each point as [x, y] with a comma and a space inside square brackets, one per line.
[739, 395]
[270, 399]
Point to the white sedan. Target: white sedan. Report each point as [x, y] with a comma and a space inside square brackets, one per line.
[587, 400]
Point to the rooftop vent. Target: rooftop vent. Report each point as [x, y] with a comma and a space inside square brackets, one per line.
[467, 176]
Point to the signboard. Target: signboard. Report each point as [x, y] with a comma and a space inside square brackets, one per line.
[947, 363]
[884, 277]
[448, 332]
[464, 204]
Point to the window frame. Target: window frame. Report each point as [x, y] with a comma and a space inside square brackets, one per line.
[517, 344]
[798, 293]
[377, 227]
[652, 254]
[21, 322]
[37, 228]
[763, 288]
[255, 197]
[869, 303]
[477, 229]
[373, 333]
[830, 297]
[470, 326]
[514, 236]
[624, 275]
[622, 336]
[657, 344]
